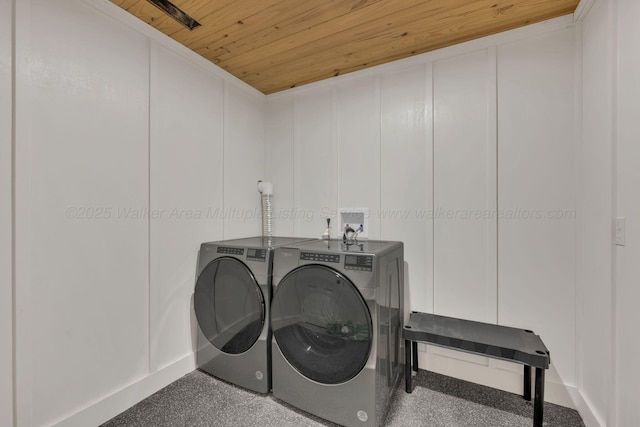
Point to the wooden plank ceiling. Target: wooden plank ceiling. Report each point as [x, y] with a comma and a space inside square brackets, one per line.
[277, 44]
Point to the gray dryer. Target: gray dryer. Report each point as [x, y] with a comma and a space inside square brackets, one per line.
[337, 323]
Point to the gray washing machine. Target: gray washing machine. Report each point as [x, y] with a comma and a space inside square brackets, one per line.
[336, 317]
[231, 302]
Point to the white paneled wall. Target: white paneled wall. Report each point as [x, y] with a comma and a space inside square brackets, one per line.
[244, 154]
[464, 175]
[6, 256]
[627, 349]
[315, 167]
[358, 125]
[279, 130]
[414, 142]
[594, 298]
[186, 193]
[406, 199]
[128, 150]
[81, 156]
[537, 185]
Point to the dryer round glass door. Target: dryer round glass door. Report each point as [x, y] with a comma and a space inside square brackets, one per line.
[229, 305]
[321, 324]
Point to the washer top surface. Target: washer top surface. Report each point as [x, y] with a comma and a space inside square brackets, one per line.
[371, 247]
[261, 242]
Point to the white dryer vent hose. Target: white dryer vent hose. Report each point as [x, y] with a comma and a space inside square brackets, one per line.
[266, 190]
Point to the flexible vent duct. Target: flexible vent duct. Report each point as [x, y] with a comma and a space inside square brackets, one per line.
[176, 13]
[266, 189]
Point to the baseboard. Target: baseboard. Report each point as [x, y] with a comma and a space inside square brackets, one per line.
[590, 417]
[492, 373]
[121, 400]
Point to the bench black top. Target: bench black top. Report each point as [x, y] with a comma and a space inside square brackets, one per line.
[496, 341]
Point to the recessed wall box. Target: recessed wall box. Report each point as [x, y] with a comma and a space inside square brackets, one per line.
[354, 217]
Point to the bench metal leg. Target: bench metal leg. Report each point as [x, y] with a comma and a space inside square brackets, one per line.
[538, 403]
[527, 383]
[414, 348]
[407, 366]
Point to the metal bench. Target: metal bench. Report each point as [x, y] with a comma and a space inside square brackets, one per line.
[485, 339]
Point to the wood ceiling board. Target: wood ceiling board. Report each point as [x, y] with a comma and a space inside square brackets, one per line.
[352, 31]
[218, 15]
[259, 30]
[353, 57]
[276, 44]
[372, 46]
[454, 22]
[248, 19]
[311, 25]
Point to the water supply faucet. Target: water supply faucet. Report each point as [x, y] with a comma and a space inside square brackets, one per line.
[350, 235]
[358, 231]
[347, 236]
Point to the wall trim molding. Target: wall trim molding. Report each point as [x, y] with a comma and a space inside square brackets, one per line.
[589, 416]
[112, 405]
[583, 10]
[7, 214]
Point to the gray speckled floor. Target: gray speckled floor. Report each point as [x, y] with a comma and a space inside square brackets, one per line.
[198, 399]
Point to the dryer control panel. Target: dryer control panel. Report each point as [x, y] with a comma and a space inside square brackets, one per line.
[310, 256]
[358, 262]
[257, 255]
[230, 251]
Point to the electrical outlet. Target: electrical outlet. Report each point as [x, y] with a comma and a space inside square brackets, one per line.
[620, 231]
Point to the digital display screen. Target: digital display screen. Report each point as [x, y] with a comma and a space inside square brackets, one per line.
[351, 259]
[358, 262]
[252, 253]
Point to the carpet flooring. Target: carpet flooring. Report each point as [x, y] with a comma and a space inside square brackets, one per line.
[200, 400]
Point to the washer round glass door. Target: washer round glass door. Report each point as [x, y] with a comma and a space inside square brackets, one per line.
[229, 305]
[321, 324]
